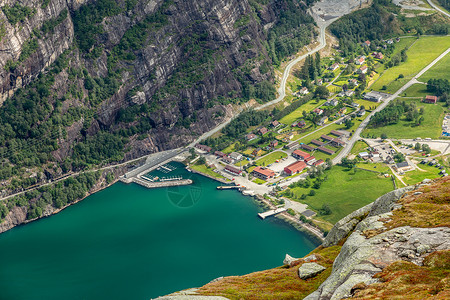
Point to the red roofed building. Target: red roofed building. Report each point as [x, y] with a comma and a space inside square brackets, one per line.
[318, 111]
[326, 150]
[318, 162]
[263, 173]
[203, 147]
[219, 154]
[294, 168]
[233, 170]
[263, 130]
[299, 154]
[310, 160]
[430, 99]
[307, 147]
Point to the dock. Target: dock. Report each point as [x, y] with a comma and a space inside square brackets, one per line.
[271, 212]
[149, 184]
[228, 187]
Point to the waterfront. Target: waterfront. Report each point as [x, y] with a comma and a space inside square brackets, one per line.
[129, 242]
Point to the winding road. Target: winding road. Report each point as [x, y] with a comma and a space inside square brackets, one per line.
[437, 8]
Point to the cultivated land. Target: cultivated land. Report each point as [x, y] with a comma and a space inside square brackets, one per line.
[430, 128]
[441, 70]
[420, 54]
[345, 191]
[416, 90]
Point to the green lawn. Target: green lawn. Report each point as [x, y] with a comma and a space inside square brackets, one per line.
[441, 70]
[367, 104]
[416, 90]
[258, 181]
[270, 158]
[208, 171]
[345, 191]
[430, 128]
[298, 113]
[360, 146]
[413, 177]
[421, 53]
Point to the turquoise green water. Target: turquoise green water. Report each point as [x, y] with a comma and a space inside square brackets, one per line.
[129, 242]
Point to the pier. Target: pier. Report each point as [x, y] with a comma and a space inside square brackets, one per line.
[271, 212]
[228, 187]
[149, 184]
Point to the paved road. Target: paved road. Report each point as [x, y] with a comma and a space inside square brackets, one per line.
[357, 135]
[437, 8]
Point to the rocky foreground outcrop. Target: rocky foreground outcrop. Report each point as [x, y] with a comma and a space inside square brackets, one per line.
[396, 247]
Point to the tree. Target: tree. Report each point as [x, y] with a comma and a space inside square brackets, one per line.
[325, 210]
[384, 136]
[202, 160]
[312, 192]
[417, 147]
[322, 92]
[348, 123]
[399, 157]
[426, 148]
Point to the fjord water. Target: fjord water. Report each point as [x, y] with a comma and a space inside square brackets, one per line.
[129, 242]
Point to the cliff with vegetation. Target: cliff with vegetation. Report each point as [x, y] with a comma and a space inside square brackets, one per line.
[88, 83]
[396, 247]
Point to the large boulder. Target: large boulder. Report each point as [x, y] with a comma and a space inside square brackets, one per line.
[309, 270]
[288, 260]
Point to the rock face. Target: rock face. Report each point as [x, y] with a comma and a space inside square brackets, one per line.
[184, 102]
[309, 270]
[360, 257]
[289, 259]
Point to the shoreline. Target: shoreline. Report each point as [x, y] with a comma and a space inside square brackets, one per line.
[285, 216]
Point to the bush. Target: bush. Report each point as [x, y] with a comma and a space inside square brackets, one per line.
[312, 192]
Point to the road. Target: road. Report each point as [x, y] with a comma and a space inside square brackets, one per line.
[437, 8]
[357, 134]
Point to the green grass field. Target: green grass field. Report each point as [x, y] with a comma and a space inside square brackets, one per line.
[441, 70]
[360, 146]
[298, 113]
[416, 90]
[430, 128]
[270, 158]
[258, 181]
[413, 177]
[205, 170]
[421, 53]
[345, 191]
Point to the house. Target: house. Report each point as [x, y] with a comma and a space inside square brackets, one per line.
[303, 91]
[275, 123]
[306, 147]
[257, 152]
[228, 159]
[342, 111]
[290, 135]
[293, 145]
[341, 94]
[263, 173]
[379, 55]
[319, 81]
[318, 111]
[389, 42]
[274, 143]
[326, 150]
[337, 133]
[232, 170]
[372, 96]
[363, 155]
[236, 156]
[362, 70]
[361, 112]
[366, 44]
[295, 168]
[360, 60]
[402, 166]
[318, 162]
[353, 81]
[310, 160]
[309, 213]
[318, 143]
[219, 154]
[337, 143]
[301, 123]
[354, 104]
[430, 99]
[299, 154]
[389, 160]
[349, 93]
[203, 147]
[323, 120]
[250, 137]
[374, 154]
[326, 137]
[332, 102]
[263, 131]
[333, 67]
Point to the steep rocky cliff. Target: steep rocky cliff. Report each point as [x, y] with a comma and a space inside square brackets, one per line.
[398, 247]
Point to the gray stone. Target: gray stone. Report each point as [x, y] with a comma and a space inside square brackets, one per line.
[310, 258]
[289, 259]
[418, 193]
[427, 180]
[422, 249]
[401, 230]
[309, 270]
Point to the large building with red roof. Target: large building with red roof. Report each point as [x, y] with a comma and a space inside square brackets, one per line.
[295, 168]
[263, 173]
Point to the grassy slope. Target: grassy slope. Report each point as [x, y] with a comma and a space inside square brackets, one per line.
[346, 191]
[298, 113]
[431, 126]
[204, 169]
[421, 53]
